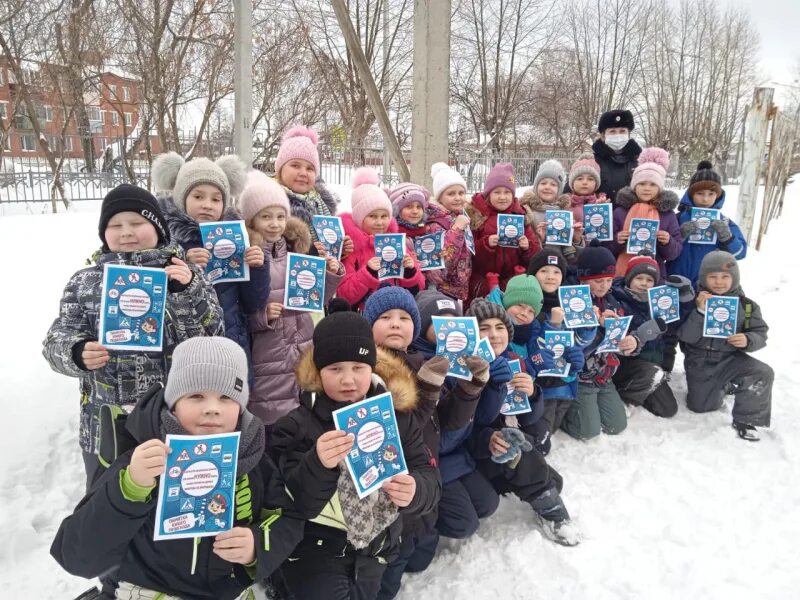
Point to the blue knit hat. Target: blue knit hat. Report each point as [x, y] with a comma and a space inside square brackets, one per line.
[388, 298]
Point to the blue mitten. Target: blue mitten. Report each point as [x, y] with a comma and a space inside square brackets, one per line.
[518, 443]
[542, 359]
[500, 372]
[575, 357]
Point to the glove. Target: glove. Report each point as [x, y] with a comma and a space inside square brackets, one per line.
[433, 372]
[723, 230]
[574, 356]
[543, 359]
[518, 443]
[479, 369]
[684, 285]
[499, 371]
[650, 330]
[688, 229]
[493, 280]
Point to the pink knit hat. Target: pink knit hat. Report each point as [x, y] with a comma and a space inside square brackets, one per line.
[501, 175]
[653, 163]
[260, 192]
[367, 196]
[585, 165]
[404, 194]
[298, 142]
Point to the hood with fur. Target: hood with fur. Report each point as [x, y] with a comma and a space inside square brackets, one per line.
[667, 201]
[531, 200]
[183, 228]
[297, 236]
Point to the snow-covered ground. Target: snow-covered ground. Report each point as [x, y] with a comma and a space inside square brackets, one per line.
[676, 508]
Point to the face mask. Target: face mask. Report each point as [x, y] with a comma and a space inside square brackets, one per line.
[617, 141]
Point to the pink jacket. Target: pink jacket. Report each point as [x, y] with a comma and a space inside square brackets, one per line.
[453, 280]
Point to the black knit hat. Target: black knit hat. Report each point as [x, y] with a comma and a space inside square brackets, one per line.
[483, 309]
[547, 257]
[705, 178]
[343, 336]
[642, 264]
[432, 303]
[595, 262]
[616, 118]
[131, 198]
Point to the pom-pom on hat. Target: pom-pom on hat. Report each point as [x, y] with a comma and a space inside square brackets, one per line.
[616, 118]
[595, 262]
[653, 164]
[501, 175]
[367, 196]
[261, 192]
[523, 289]
[389, 298]
[585, 165]
[705, 178]
[175, 176]
[404, 194]
[298, 142]
[444, 177]
[642, 264]
[550, 169]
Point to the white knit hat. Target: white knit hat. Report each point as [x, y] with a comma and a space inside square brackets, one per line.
[261, 192]
[443, 177]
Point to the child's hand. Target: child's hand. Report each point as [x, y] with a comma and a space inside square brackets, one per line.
[738, 340]
[198, 256]
[700, 301]
[623, 236]
[541, 230]
[254, 257]
[374, 263]
[662, 237]
[556, 315]
[523, 383]
[627, 345]
[321, 251]
[236, 546]
[332, 264]
[524, 243]
[400, 489]
[333, 446]
[577, 233]
[147, 462]
[497, 444]
[274, 311]
[493, 240]
[179, 271]
[596, 312]
[95, 356]
[408, 262]
[347, 246]
[461, 222]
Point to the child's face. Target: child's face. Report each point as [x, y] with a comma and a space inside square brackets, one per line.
[646, 191]
[376, 222]
[129, 231]
[521, 313]
[719, 282]
[501, 198]
[496, 332]
[207, 413]
[412, 213]
[298, 175]
[453, 198]
[547, 189]
[704, 198]
[270, 223]
[549, 278]
[641, 283]
[346, 381]
[394, 329]
[204, 203]
[583, 185]
[599, 287]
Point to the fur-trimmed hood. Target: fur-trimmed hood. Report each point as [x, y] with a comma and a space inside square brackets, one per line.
[667, 201]
[390, 372]
[296, 235]
[183, 228]
[480, 210]
[531, 200]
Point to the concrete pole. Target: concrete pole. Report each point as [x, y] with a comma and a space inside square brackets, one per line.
[430, 111]
[754, 143]
[387, 156]
[243, 80]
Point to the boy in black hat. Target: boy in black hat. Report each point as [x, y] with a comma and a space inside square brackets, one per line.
[615, 151]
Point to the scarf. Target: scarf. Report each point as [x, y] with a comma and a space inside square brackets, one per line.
[640, 210]
[366, 517]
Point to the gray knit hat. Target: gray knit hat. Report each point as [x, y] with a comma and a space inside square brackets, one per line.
[175, 176]
[215, 364]
[718, 261]
[551, 169]
[483, 309]
[432, 303]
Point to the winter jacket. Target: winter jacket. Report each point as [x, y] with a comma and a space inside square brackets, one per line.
[536, 212]
[359, 282]
[501, 260]
[453, 280]
[688, 261]
[668, 221]
[238, 298]
[639, 309]
[109, 530]
[600, 368]
[319, 201]
[313, 486]
[278, 346]
[616, 168]
[193, 311]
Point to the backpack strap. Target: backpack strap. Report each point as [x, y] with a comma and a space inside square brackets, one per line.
[748, 312]
[115, 439]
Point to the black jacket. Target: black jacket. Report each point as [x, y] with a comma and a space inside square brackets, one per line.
[616, 168]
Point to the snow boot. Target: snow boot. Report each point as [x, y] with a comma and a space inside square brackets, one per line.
[746, 432]
[564, 532]
[553, 518]
[91, 594]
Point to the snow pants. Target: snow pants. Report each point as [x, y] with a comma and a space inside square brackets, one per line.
[417, 550]
[642, 383]
[747, 378]
[597, 409]
[464, 502]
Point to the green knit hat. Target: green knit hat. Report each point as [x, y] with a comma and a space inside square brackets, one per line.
[523, 289]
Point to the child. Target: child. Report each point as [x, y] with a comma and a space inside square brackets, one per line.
[514, 466]
[446, 213]
[705, 191]
[111, 529]
[646, 198]
[716, 367]
[497, 197]
[134, 232]
[347, 541]
[372, 214]
[201, 191]
[280, 336]
[584, 181]
[409, 207]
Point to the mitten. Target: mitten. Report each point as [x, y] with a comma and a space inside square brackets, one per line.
[480, 375]
[575, 357]
[650, 330]
[499, 371]
[543, 359]
[688, 229]
[493, 280]
[723, 230]
[433, 372]
[684, 285]
[518, 444]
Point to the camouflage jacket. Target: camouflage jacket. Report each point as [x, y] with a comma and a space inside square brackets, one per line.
[193, 311]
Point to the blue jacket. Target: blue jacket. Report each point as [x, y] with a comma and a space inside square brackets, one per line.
[632, 306]
[688, 262]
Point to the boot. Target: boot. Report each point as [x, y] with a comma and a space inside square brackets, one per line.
[564, 533]
[553, 518]
[746, 432]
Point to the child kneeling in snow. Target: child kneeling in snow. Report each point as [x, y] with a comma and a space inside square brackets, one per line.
[112, 528]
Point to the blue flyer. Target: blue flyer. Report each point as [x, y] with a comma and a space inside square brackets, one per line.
[196, 490]
[132, 308]
[705, 233]
[456, 338]
[390, 248]
[559, 227]
[377, 454]
[721, 315]
[227, 242]
[330, 232]
[558, 342]
[598, 222]
[664, 303]
[469, 238]
[305, 283]
[516, 402]
[576, 300]
[510, 228]
[428, 249]
[484, 349]
[643, 235]
[616, 330]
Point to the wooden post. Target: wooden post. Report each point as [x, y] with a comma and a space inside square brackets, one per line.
[373, 95]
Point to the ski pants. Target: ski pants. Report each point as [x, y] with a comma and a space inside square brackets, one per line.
[597, 408]
[642, 383]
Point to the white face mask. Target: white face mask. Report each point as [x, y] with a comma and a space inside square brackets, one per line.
[617, 141]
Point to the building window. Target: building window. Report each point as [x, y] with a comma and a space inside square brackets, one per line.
[102, 142]
[28, 142]
[112, 90]
[3, 109]
[114, 118]
[126, 93]
[68, 144]
[28, 76]
[128, 119]
[2, 78]
[6, 141]
[93, 113]
[48, 113]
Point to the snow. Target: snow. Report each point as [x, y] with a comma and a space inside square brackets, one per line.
[676, 508]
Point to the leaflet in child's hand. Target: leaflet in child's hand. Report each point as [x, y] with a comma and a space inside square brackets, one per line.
[304, 287]
[390, 248]
[643, 236]
[428, 249]
[509, 229]
[227, 242]
[456, 338]
[557, 342]
[664, 303]
[598, 222]
[559, 227]
[469, 238]
[616, 330]
[721, 316]
[705, 233]
[484, 350]
[330, 232]
[516, 402]
[576, 300]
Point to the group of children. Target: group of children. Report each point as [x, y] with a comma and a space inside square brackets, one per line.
[277, 378]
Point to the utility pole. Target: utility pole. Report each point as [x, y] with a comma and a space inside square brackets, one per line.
[243, 80]
[387, 156]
